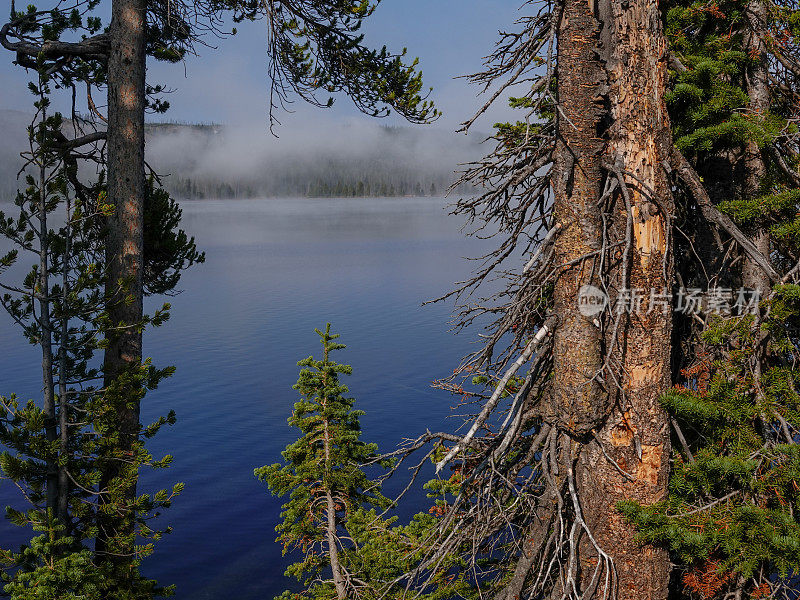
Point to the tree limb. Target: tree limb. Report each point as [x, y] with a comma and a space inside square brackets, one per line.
[711, 213]
[96, 47]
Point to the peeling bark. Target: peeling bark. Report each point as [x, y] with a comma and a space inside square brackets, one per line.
[612, 78]
[636, 436]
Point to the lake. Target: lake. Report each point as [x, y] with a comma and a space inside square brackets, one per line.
[275, 270]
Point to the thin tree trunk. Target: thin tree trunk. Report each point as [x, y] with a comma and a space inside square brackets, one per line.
[754, 277]
[45, 324]
[124, 250]
[330, 529]
[63, 417]
[612, 76]
[333, 553]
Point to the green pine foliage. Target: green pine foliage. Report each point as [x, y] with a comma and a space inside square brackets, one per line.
[317, 49]
[328, 460]
[68, 574]
[168, 250]
[733, 500]
[54, 450]
[322, 468]
[707, 101]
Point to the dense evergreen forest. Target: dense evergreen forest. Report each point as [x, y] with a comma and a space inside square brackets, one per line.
[631, 413]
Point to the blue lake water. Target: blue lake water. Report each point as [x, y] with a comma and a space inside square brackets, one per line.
[275, 270]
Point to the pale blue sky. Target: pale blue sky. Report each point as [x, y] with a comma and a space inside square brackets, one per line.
[228, 84]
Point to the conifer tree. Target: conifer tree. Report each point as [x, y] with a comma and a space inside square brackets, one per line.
[591, 184]
[314, 47]
[349, 549]
[323, 476]
[55, 450]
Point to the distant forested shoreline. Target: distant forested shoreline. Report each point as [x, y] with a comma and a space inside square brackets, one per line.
[337, 161]
[198, 161]
[380, 185]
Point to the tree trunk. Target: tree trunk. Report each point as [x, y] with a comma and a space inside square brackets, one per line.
[612, 76]
[754, 277]
[636, 436]
[578, 401]
[45, 323]
[333, 552]
[330, 528]
[63, 392]
[124, 250]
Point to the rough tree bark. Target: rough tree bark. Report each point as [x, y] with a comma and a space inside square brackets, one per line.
[577, 401]
[126, 188]
[612, 74]
[754, 277]
[636, 435]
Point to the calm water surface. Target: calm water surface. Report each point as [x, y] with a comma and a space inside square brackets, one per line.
[275, 270]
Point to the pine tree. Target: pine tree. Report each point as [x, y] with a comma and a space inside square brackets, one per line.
[331, 516]
[323, 476]
[55, 450]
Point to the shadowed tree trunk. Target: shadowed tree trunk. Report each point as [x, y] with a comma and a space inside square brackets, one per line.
[46, 323]
[755, 173]
[63, 385]
[578, 401]
[331, 519]
[610, 371]
[754, 277]
[124, 251]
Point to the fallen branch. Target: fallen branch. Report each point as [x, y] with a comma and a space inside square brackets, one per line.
[545, 243]
[545, 330]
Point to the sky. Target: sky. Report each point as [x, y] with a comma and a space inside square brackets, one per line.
[228, 83]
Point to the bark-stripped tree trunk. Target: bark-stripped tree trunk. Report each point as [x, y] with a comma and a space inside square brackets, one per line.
[612, 76]
[636, 436]
[126, 188]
